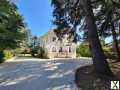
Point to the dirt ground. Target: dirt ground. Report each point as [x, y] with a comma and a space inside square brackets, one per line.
[87, 79]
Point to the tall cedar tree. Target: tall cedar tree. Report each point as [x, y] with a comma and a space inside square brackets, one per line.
[70, 13]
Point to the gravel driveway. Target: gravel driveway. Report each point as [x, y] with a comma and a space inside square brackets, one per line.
[26, 73]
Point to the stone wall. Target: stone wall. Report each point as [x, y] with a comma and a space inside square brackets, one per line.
[58, 49]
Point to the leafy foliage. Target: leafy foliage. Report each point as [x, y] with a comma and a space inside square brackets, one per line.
[6, 54]
[83, 50]
[42, 53]
[108, 50]
[12, 29]
[73, 12]
[11, 26]
[34, 51]
[39, 52]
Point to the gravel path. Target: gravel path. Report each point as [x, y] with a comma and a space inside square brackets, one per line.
[26, 73]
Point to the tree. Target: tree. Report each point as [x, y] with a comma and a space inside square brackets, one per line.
[11, 26]
[35, 45]
[107, 16]
[115, 41]
[35, 41]
[83, 50]
[28, 38]
[70, 13]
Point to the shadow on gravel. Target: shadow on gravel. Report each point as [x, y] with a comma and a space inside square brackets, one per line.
[87, 79]
[27, 73]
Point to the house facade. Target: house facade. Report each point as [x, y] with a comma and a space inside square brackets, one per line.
[56, 48]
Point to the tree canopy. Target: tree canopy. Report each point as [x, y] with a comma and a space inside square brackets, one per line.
[11, 26]
[81, 15]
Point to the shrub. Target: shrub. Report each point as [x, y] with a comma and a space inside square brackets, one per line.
[109, 53]
[34, 51]
[18, 51]
[42, 53]
[26, 51]
[83, 50]
[6, 54]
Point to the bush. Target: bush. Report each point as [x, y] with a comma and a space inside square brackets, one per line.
[34, 51]
[109, 53]
[25, 52]
[42, 53]
[6, 54]
[18, 51]
[83, 50]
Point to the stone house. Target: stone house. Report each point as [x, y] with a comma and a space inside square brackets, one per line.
[58, 48]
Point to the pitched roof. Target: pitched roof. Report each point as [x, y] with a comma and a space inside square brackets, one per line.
[48, 35]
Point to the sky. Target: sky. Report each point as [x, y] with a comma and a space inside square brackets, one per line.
[37, 14]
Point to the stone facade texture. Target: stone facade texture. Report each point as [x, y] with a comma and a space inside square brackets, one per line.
[56, 48]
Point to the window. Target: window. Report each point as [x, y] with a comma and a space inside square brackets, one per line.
[60, 50]
[53, 49]
[69, 49]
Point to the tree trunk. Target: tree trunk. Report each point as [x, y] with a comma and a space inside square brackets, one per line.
[99, 60]
[115, 41]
